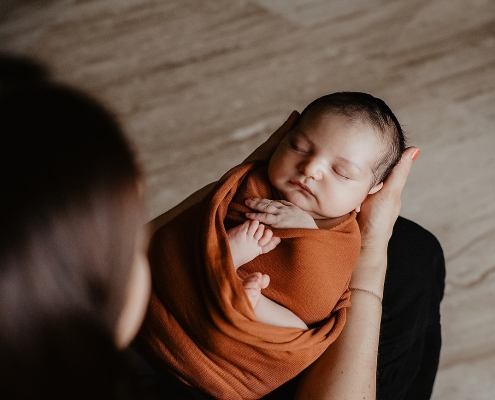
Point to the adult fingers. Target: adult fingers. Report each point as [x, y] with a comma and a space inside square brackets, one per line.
[379, 210]
[278, 135]
[397, 178]
[266, 149]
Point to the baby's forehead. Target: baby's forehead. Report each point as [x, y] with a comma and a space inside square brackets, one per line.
[373, 139]
[353, 120]
[367, 130]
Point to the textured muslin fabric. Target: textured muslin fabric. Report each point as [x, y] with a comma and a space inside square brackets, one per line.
[410, 333]
[298, 280]
[200, 323]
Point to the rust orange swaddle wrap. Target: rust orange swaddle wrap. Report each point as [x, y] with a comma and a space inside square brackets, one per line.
[200, 323]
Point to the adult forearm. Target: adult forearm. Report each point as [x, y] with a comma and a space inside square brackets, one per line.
[370, 270]
[347, 369]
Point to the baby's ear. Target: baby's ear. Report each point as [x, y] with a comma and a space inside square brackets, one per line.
[376, 188]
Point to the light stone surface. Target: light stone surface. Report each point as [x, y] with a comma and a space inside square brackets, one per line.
[198, 84]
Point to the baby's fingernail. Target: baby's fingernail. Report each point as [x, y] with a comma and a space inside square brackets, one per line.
[415, 154]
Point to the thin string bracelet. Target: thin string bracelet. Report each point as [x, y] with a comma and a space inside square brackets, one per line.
[368, 291]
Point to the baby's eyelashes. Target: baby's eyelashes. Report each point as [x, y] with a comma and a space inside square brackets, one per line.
[341, 174]
[297, 148]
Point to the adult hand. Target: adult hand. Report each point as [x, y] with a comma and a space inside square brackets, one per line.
[376, 221]
[347, 369]
[265, 151]
[380, 210]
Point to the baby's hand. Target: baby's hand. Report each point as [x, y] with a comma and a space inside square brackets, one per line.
[279, 214]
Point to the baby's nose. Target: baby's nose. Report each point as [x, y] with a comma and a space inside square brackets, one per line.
[311, 169]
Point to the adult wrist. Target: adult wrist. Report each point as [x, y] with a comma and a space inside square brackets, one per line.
[371, 292]
[370, 270]
[373, 258]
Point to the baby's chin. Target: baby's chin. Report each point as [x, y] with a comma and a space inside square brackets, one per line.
[316, 216]
[297, 201]
[302, 204]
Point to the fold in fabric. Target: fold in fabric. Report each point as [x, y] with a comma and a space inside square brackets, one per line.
[200, 323]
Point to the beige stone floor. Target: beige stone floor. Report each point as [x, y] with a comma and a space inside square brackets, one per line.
[199, 83]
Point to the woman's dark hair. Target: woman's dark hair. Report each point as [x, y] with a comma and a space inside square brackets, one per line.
[70, 357]
[70, 208]
[370, 110]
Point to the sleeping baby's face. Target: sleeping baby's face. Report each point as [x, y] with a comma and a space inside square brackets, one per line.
[324, 166]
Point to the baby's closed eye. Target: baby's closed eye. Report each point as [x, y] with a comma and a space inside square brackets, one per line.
[297, 147]
[342, 174]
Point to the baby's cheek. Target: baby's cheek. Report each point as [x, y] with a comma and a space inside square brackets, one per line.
[300, 200]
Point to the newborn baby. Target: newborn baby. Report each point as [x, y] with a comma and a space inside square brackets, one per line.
[340, 151]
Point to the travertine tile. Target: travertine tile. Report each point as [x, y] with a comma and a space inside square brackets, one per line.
[470, 380]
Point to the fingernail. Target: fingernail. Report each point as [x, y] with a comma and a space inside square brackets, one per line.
[415, 154]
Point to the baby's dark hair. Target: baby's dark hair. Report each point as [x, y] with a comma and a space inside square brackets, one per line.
[357, 106]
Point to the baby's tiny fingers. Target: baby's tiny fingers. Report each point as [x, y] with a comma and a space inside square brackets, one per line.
[265, 205]
[262, 217]
[286, 203]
